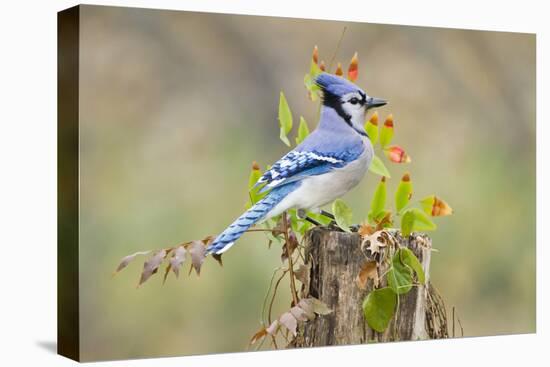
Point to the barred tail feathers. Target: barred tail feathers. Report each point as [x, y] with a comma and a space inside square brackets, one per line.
[227, 238]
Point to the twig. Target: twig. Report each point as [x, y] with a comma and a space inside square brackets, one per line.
[290, 262]
[460, 324]
[271, 305]
[264, 306]
[273, 297]
[312, 221]
[327, 214]
[453, 321]
[258, 230]
[337, 48]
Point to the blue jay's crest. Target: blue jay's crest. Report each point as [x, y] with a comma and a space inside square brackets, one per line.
[336, 85]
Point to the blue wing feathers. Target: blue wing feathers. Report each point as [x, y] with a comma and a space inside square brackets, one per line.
[297, 165]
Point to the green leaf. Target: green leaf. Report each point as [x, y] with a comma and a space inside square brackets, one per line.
[415, 219]
[435, 206]
[342, 214]
[422, 221]
[427, 204]
[285, 119]
[254, 195]
[304, 227]
[379, 308]
[314, 70]
[399, 276]
[409, 258]
[303, 131]
[309, 81]
[386, 132]
[371, 127]
[372, 132]
[294, 220]
[403, 263]
[407, 222]
[255, 175]
[403, 193]
[378, 167]
[378, 202]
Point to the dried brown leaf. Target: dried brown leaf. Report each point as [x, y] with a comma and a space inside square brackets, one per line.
[218, 258]
[302, 274]
[320, 308]
[197, 250]
[258, 336]
[128, 259]
[312, 304]
[289, 321]
[307, 307]
[368, 271]
[272, 329]
[177, 259]
[151, 266]
[166, 271]
[375, 241]
[386, 219]
[289, 246]
[299, 313]
[366, 230]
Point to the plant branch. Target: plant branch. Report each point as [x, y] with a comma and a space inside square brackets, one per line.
[337, 48]
[290, 262]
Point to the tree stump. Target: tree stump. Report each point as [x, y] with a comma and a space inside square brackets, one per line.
[336, 259]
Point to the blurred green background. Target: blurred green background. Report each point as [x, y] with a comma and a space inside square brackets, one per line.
[175, 106]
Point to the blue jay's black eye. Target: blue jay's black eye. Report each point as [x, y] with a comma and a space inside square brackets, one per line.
[354, 100]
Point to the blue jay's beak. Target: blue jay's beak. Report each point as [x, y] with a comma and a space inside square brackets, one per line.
[373, 102]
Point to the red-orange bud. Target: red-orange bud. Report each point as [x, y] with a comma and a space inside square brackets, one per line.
[322, 66]
[339, 70]
[389, 121]
[396, 154]
[315, 55]
[440, 208]
[374, 118]
[353, 69]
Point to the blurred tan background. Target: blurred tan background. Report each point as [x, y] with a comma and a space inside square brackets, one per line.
[174, 108]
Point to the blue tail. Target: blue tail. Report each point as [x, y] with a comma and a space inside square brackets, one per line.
[253, 215]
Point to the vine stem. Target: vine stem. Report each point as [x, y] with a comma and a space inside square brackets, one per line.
[290, 262]
[258, 230]
[337, 48]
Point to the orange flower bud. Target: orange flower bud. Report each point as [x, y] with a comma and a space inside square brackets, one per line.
[353, 69]
[440, 208]
[339, 70]
[322, 66]
[374, 118]
[389, 121]
[315, 56]
[255, 166]
[396, 154]
[435, 206]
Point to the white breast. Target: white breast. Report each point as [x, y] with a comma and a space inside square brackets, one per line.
[316, 191]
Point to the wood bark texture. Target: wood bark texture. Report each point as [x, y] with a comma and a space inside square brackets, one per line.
[336, 259]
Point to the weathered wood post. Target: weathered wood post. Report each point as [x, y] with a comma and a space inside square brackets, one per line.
[336, 259]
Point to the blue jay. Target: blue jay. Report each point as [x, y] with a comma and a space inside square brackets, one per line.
[327, 164]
